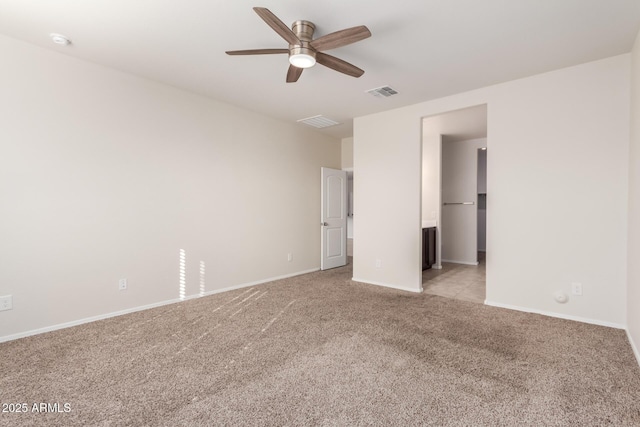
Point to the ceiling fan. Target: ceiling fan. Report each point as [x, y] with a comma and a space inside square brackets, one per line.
[303, 50]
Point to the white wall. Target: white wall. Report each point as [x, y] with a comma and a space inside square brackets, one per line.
[558, 184]
[430, 176]
[387, 189]
[106, 176]
[633, 297]
[347, 164]
[347, 153]
[459, 223]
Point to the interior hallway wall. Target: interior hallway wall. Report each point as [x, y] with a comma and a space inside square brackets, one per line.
[430, 176]
[347, 164]
[104, 175]
[633, 280]
[346, 150]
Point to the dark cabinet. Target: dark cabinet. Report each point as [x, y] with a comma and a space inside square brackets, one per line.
[428, 247]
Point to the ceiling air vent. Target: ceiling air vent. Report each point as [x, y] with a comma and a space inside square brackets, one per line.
[382, 92]
[318, 122]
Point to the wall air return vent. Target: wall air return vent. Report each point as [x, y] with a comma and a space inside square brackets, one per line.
[382, 92]
[318, 122]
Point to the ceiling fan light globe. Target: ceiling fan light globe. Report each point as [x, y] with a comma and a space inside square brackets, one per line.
[302, 60]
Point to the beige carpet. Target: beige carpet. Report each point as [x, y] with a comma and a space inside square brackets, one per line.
[321, 350]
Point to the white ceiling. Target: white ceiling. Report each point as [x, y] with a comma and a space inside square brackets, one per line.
[425, 49]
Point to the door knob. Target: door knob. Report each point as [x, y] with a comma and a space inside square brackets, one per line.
[324, 223]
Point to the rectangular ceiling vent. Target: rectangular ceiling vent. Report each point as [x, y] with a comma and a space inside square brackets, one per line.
[318, 122]
[382, 92]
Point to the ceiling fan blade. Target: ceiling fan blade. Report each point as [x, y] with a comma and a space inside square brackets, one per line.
[278, 26]
[293, 74]
[341, 38]
[256, 51]
[338, 65]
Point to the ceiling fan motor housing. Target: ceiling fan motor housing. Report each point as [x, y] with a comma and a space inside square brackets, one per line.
[304, 30]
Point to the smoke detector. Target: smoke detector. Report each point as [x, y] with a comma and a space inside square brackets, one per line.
[59, 39]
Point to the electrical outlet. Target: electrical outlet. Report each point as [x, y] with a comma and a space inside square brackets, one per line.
[6, 302]
[122, 284]
[378, 263]
[576, 288]
[289, 257]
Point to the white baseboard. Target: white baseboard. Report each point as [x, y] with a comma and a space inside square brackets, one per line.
[633, 346]
[145, 307]
[388, 285]
[558, 315]
[460, 262]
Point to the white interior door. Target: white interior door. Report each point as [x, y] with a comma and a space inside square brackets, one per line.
[333, 219]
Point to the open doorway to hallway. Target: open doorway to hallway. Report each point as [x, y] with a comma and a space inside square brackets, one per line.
[454, 196]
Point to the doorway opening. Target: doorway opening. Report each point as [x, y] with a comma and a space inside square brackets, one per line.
[454, 196]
